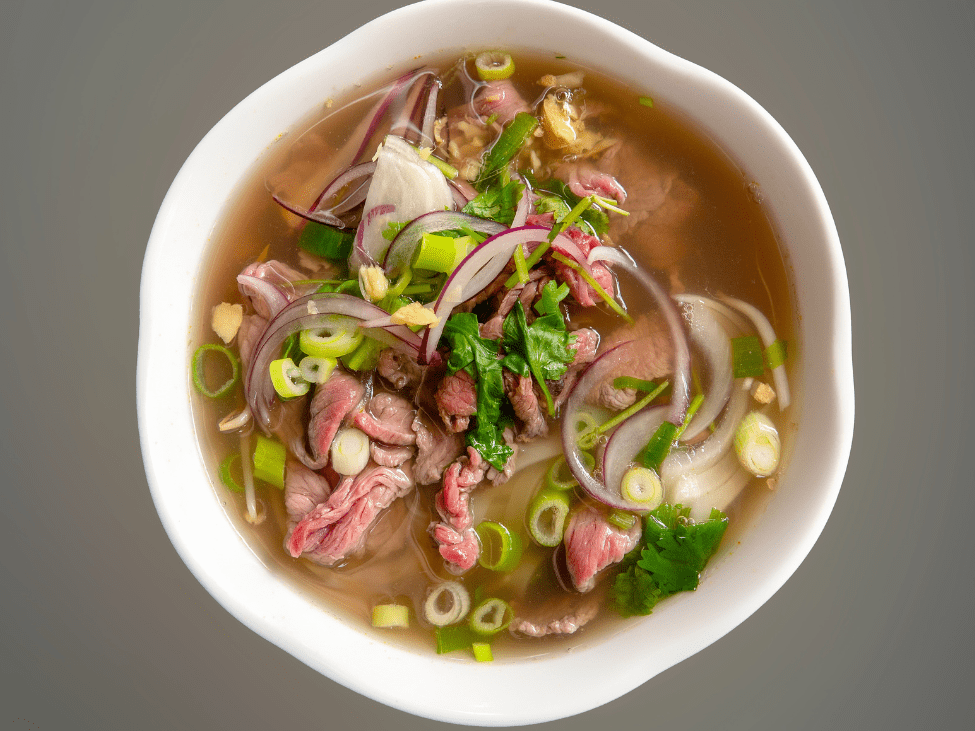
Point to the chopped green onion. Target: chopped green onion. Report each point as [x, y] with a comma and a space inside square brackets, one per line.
[491, 120]
[198, 370]
[634, 408]
[390, 615]
[609, 204]
[614, 305]
[482, 651]
[422, 288]
[559, 476]
[453, 638]
[441, 253]
[227, 470]
[757, 444]
[642, 485]
[691, 410]
[622, 519]
[491, 616]
[448, 170]
[493, 65]
[584, 428]
[365, 357]
[337, 338]
[447, 603]
[657, 449]
[325, 241]
[349, 451]
[317, 370]
[402, 282]
[775, 354]
[500, 547]
[509, 144]
[286, 379]
[646, 101]
[530, 262]
[638, 384]
[746, 357]
[521, 268]
[547, 514]
[269, 460]
[577, 210]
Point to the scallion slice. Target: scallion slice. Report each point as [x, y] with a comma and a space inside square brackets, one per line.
[227, 472]
[493, 65]
[500, 547]
[437, 253]
[269, 460]
[757, 444]
[622, 519]
[559, 476]
[199, 370]
[509, 143]
[447, 603]
[390, 615]
[338, 337]
[455, 637]
[482, 651]
[637, 384]
[746, 357]
[775, 354]
[365, 357]
[547, 514]
[642, 485]
[491, 616]
[317, 370]
[287, 379]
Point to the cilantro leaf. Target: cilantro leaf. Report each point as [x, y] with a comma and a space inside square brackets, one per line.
[540, 349]
[479, 357]
[553, 190]
[497, 203]
[548, 303]
[670, 559]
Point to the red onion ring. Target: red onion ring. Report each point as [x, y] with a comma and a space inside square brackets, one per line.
[312, 311]
[476, 271]
[360, 257]
[400, 251]
[274, 296]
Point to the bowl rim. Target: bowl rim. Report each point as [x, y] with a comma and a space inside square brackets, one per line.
[238, 578]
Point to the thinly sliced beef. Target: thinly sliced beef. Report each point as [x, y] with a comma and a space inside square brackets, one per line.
[585, 345]
[592, 544]
[332, 403]
[499, 98]
[436, 449]
[652, 359]
[584, 294]
[585, 179]
[457, 400]
[304, 489]
[399, 368]
[455, 533]
[524, 400]
[563, 614]
[389, 455]
[335, 529]
[387, 418]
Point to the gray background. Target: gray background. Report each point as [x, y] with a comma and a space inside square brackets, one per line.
[103, 627]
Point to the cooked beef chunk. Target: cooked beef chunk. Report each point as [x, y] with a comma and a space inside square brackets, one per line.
[524, 400]
[389, 455]
[455, 533]
[580, 289]
[501, 98]
[400, 369]
[457, 400]
[561, 615]
[332, 403]
[335, 529]
[303, 490]
[592, 543]
[435, 449]
[652, 359]
[388, 419]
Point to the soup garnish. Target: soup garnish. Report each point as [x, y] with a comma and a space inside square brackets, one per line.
[497, 390]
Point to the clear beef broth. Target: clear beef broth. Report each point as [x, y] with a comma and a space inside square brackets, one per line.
[729, 247]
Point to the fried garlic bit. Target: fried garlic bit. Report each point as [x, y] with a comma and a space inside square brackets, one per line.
[373, 283]
[414, 315]
[763, 393]
[226, 320]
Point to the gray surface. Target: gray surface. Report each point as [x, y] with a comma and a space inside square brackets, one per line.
[103, 625]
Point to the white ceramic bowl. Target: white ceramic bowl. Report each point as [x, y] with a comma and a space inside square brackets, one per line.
[594, 673]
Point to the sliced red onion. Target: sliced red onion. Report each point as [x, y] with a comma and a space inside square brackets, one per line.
[363, 171]
[312, 311]
[273, 296]
[524, 208]
[316, 216]
[462, 190]
[595, 374]
[430, 115]
[713, 342]
[360, 257]
[400, 251]
[767, 334]
[407, 109]
[395, 93]
[476, 271]
[681, 383]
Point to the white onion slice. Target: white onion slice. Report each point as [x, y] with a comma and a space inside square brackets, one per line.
[715, 487]
[767, 334]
